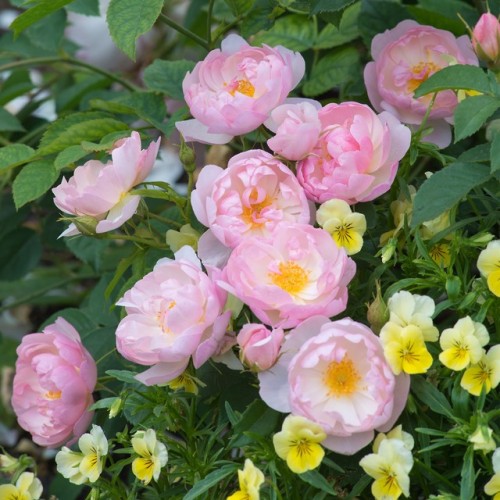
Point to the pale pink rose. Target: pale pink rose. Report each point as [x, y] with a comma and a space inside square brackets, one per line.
[259, 346]
[334, 373]
[174, 313]
[248, 198]
[357, 155]
[486, 38]
[296, 272]
[406, 56]
[297, 127]
[53, 384]
[233, 90]
[101, 190]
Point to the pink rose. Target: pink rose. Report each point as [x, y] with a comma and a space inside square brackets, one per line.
[357, 155]
[486, 39]
[259, 346]
[233, 90]
[248, 198]
[100, 190]
[53, 384]
[334, 373]
[406, 56]
[297, 127]
[296, 272]
[174, 313]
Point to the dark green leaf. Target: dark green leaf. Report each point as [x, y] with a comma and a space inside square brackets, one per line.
[318, 6]
[103, 404]
[18, 83]
[129, 19]
[42, 9]
[68, 156]
[458, 76]
[88, 250]
[9, 123]
[208, 481]
[34, 180]
[14, 155]
[85, 7]
[446, 188]
[259, 18]
[495, 153]
[167, 76]
[123, 376]
[314, 478]
[20, 252]
[472, 113]
[468, 477]
[331, 36]
[48, 33]
[240, 7]
[431, 396]
[479, 153]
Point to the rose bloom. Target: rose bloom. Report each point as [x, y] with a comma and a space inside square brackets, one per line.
[233, 90]
[406, 56]
[357, 155]
[297, 127]
[259, 346]
[248, 198]
[293, 274]
[486, 39]
[334, 373]
[173, 313]
[53, 384]
[100, 190]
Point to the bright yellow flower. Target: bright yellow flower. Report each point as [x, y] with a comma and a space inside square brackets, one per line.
[152, 457]
[492, 487]
[184, 382]
[404, 349]
[390, 468]
[488, 264]
[463, 344]
[298, 443]
[485, 373]
[346, 227]
[250, 480]
[27, 487]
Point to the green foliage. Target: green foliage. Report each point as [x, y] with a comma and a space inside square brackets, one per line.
[34, 180]
[167, 76]
[9, 123]
[472, 113]
[14, 155]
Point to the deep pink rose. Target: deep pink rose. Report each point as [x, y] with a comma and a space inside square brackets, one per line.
[296, 272]
[53, 384]
[233, 90]
[334, 373]
[259, 346]
[357, 155]
[101, 190]
[174, 313]
[248, 198]
[486, 39]
[406, 56]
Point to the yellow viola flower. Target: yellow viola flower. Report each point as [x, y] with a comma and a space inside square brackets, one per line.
[485, 373]
[346, 227]
[250, 480]
[152, 457]
[492, 487]
[404, 349]
[184, 382]
[27, 487]
[390, 467]
[463, 344]
[86, 466]
[440, 254]
[298, 443]
[396, 433]
[488, 264]
[407, 309]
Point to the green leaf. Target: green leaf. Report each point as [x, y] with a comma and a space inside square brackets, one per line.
[68, 156]
[348, 30]
[293, 32]
[472, 113]
[314, 478]
[318, 6]
[334, 69]
[261, 17]
[9, 123]
[14, 155]
[20, 252]
[446, 188]
[129, 19]
[103, 404]
[76, 128]
[239, 7]
[42, 9]
[431, 396]
[210, 480]
[468, 477]
[495, 153]
[85, 7]
[34, 180]
[167, 76]
[458, 76]
[48, 33]
[123, 376]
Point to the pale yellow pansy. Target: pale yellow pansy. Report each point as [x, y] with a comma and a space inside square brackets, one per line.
[152, 457]
[486, 373]
[396, 433]
[250, 479]
[27, 487]
[492, 487]
[488, 264]
[298, 443]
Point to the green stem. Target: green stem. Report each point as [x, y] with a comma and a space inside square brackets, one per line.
[209, 23]
[104, 356]
[135, 239]
[165, 220]
[4, 141]
[432, 472]
[40, 61]
[176, 26]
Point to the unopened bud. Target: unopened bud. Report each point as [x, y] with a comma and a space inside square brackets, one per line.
[115, 407]
[482, 439]
[8, 463]
[85, 224]
[388, 250]
[187, 157]
[481, 239]
[486, 39]
[185, 236]
[378, 313]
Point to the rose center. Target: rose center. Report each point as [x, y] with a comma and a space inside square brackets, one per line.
[342, 378]
[419, 73]
[161, 316]
[252, 212]
[53, 395]
[291, 278]
[243, 87]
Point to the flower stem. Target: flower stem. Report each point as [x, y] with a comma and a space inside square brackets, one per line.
[193, 36]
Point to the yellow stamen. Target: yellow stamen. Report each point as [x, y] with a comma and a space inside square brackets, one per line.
[253, 211]
[53, 395]
[428, 69]
[291, 278]
[243, 87]
[342, 377]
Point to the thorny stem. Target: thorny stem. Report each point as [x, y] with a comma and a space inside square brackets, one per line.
[176, 26]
